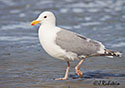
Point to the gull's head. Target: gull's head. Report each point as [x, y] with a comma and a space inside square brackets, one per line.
[45, 18]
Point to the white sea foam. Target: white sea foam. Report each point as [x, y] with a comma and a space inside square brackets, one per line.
[25, 25]
[77, 5]
[22, 15]
[45, 2]
[65, 27]
[77, 10]
[15, 38]
[90, 23]
[77, 26]
[120, 44]
[63, 10]
[8, 2]
[93, 10]
[105, 17]
[87, 18]
[14, 11]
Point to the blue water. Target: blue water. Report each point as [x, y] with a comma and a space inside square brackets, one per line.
[24, 63]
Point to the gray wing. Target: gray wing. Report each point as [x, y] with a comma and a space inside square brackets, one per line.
[76, 43]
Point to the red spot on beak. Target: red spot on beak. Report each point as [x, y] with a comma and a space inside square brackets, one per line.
[32, 24]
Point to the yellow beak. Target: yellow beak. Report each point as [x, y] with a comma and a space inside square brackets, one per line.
[35, 22]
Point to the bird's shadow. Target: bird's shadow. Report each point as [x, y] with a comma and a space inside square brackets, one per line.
[96, 74]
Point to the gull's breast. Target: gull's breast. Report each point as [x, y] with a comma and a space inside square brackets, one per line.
[47, 39]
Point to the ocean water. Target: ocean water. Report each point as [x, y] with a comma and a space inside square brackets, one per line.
[23, 62]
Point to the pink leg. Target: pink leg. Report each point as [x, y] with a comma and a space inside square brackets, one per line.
[77, 68]
[66, 74]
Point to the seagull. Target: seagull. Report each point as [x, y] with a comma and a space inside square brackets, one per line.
[67, 45]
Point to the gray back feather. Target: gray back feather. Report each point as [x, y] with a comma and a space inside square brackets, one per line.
[76, 43]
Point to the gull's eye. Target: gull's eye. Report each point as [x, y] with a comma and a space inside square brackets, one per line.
[45, 16]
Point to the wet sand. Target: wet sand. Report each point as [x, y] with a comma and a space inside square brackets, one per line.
[36, 72]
